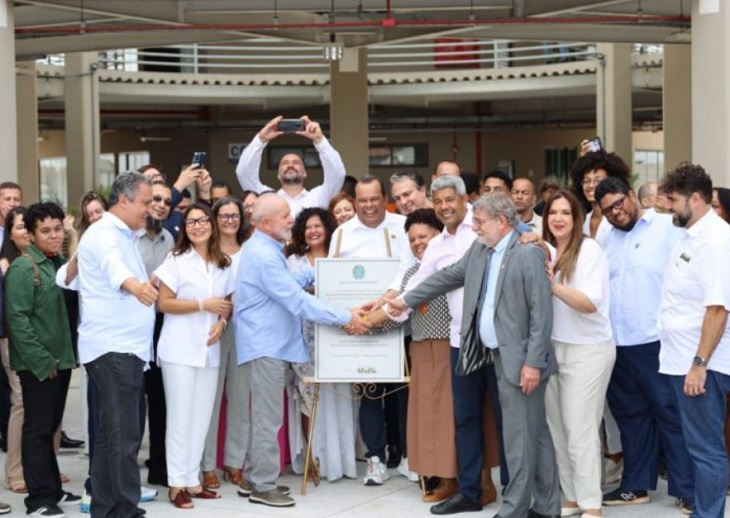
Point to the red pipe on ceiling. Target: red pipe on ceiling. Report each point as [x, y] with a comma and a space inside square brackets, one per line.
[389, 22]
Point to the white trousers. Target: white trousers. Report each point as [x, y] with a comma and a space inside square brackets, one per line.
[189, 395]
[574, 403]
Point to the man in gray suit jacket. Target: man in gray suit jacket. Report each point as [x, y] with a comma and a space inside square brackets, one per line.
[508, 321]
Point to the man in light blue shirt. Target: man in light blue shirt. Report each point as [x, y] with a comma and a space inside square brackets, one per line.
[638, 246]
[115, 338]
[269, 305]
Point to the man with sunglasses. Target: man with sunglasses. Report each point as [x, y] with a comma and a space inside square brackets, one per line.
[153, 246]
[638, 245]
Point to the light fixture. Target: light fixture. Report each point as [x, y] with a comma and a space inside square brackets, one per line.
[333, 51]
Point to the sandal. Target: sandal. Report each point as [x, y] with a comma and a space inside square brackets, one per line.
[232, 475]
[210, 480]
[182, 499]
[205, 494]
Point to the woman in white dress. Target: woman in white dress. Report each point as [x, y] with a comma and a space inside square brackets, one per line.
[195, 287]
[333, 449]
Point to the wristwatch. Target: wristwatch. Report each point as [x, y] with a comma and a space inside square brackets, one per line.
[699, 361]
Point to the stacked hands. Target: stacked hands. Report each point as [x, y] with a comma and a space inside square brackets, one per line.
[365, 314]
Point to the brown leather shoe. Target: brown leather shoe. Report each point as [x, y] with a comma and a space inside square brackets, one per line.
[233, 475]
[447, 488]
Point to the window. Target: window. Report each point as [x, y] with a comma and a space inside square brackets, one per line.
[132, 160]
[53, 180]
[399, 155]
[648, 165]
[558, 163]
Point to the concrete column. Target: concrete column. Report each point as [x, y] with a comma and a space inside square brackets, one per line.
[27, 130]
[349, 110]
[8, 139]
[710, 86]
[81, 91]
[677, 105]
[613, 99]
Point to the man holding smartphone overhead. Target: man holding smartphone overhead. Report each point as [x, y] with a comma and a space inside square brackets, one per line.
[291, 171]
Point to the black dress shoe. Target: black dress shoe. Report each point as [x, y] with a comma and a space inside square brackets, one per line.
[456, 504]
[534, 514]
[68, 442]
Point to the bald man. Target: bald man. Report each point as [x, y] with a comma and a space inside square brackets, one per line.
[270, 304]
[647, 195]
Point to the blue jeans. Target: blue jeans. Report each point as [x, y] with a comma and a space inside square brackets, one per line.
[114, 471]
[703, 425]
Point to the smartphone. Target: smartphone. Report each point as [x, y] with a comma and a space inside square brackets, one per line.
[596, 144]
[290, 125]
[199, 158]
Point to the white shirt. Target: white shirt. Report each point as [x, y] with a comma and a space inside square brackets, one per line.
[697, 276]
[442, 251]
[183, 337]
[591, 278]
[112, 320]
[388, 239]
[333, 169]
[535, 223]
[637, 260]
[603, 227]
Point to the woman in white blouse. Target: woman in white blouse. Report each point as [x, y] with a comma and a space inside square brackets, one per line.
[195, 286]
[585, 351]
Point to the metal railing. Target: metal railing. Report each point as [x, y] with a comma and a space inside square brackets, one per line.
[276, 56]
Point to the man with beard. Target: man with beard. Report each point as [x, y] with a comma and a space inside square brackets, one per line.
[153, 246]
[269, 306]
[693, 327]
[291, 172]
[507, 321]
[638, 247]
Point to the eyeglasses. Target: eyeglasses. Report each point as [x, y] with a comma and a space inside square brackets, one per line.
[617, 205]
[592, 181]
[202, 221]
[159, 199]
[229, 217]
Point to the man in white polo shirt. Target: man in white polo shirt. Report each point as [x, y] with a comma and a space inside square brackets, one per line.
[291, 171]
[693, 328]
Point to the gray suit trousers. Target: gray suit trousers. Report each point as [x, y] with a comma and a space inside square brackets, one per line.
[529, 450]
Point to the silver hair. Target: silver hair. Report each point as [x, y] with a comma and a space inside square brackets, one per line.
[261, 208]
[498, 204]
[449, 182]
[127, 184]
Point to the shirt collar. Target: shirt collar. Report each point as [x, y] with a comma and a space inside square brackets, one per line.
[284, 194]
[121, 225]
[702, 223]
[268, 240]
[502, 245]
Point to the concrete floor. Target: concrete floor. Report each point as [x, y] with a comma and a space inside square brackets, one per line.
[397, 498]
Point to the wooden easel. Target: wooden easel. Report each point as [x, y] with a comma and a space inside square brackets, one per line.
[358, 391]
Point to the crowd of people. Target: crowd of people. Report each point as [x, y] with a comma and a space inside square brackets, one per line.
[572, 342]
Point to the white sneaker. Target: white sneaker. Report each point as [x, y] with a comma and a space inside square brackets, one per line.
[404, 470]
[147, 494]
[377, 473]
